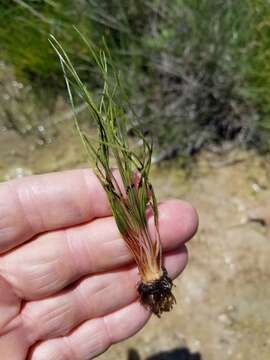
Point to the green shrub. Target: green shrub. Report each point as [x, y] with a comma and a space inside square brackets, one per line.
[196, 71]
[192, 95]
[257, 68]
[25, 28]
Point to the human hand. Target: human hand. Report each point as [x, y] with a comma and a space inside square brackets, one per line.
[67, 279]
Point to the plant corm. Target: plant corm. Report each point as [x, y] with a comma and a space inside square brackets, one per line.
[132, 200]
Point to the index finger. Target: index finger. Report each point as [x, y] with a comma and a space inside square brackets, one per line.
[40, 203]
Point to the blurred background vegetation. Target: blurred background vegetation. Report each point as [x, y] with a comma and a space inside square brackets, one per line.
[197, 72]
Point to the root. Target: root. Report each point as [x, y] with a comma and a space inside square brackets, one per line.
[157, 295]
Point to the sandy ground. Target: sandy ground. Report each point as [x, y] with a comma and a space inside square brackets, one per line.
[223, 296]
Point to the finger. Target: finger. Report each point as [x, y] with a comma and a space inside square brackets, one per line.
[35, 204]
[9, 303]
[12, 342]
[94, 336]
[48, 264]
[93, 297]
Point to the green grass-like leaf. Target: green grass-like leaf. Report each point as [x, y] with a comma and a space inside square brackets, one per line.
[131, 197]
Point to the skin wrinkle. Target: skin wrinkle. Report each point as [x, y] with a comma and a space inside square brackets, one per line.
[43, 281]
[102, 339]
[54, 282]
[36, 320]
[107, 332]
[44, 335]
[13, 343]
[71, 353]
[4, 216]
[8, 231]
[30, 195]
[40, 287]
[87, 246]
[54, 316]
[98, 288]
[76, 268]
[81, 299]
[8, 300]
[87, 178]
[93, 208]
[12, 326]
[53, 271]
[8, 277]
[70, 206]
[123, 255]
[9, 320]
[91, 244]
[58, 268]
[84, 253]
[87, 190]
[30, 329]
[89, 306]
[109, 320]
[59, 351]
[98, 293]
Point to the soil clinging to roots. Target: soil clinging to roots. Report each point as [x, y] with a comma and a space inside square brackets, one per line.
[157, 295]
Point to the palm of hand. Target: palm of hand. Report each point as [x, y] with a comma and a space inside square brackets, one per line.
[67, 280]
